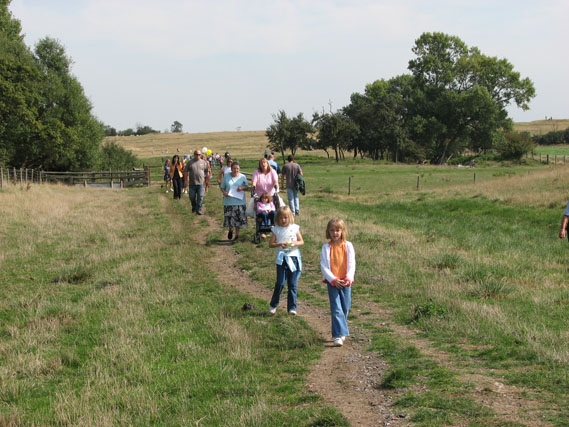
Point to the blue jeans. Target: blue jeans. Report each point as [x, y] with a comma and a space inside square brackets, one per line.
[340, 303]
[283, 272]
[293, 202]
[196, 197]
[268, 218]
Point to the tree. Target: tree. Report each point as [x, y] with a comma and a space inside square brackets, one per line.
[335, 131]
[110, 131]
[69, 136]
[144, 130]
[19, 88]
[462, 95]
[115, 157]
[379, 114]
[176, 126]
[289, 134]
[514, 145]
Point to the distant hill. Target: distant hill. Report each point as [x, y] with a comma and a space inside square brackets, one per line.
[540, 127]
[244, 144]
[252, 144]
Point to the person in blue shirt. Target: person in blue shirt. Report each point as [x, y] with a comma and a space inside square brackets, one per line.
[233, 186]
[274, 164]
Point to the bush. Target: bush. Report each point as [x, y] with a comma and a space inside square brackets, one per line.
[115, 157]
[553, 138]
[514, 145]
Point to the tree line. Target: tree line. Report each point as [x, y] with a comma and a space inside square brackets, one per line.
[176, 127]
[453, 100]
[46, 120]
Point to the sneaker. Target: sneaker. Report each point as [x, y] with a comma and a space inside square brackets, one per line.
[338, 342]
[292, 312]
[297, 213]
[230, 234]
[200, 213]
[272, 310]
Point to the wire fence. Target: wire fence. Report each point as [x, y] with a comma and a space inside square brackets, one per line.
[109, 179]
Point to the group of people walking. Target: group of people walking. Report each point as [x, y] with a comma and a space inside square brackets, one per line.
[337, 257]
[194, 176]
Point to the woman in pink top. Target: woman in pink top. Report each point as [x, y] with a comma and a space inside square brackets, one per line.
[265, 180]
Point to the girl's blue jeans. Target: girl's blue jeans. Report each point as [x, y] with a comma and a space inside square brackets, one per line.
[268, 218]
[340, 303]
[291, 277]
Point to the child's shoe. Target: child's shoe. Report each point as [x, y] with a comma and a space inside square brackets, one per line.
[272, 310]
[338, 342]
[292, 312]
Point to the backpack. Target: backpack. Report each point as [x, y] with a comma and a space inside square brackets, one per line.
[299, 184]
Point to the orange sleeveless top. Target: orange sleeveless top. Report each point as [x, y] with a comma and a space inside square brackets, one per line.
[338, 260]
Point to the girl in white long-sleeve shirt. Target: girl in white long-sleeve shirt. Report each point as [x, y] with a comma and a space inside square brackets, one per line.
[338, 265]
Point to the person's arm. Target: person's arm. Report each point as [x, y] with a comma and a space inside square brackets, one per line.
[563, 229]
[244, 187]
[351, 254]
[299, 240]
[223, 187]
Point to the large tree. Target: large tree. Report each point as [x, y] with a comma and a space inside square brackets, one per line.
[19, 87]
[69, 137]
[462, 96]
[45, 118]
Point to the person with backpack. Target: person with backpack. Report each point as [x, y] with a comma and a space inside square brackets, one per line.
[291, 171]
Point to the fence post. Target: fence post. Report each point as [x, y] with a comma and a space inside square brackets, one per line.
[555, 161]
[122, 183]
[1, 178]
[548, 159]
[21, 176]
[349, 185]
[147, 170]
[418, 181]
[475, 177]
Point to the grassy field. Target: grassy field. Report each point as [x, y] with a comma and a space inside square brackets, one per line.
[248, 144]
[553, 150]
[478, 268]
[110, 313]
[540, 127]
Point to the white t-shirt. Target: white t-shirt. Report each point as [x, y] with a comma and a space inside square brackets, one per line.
[286, 234]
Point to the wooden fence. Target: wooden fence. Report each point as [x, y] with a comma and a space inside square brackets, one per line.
[110, 179]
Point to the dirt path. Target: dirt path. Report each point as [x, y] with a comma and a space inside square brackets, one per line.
[354, 389]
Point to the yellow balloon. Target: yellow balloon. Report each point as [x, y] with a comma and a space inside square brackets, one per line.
[208, 152]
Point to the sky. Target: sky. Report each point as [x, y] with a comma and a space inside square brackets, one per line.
[222, 65]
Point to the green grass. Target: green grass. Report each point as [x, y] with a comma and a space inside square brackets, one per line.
[553, 150]
[474, 267]
[112, 317]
